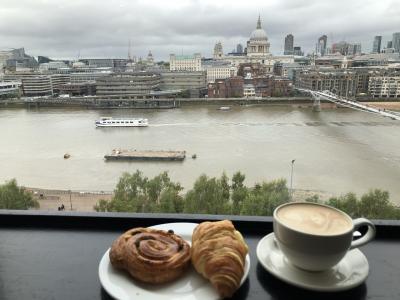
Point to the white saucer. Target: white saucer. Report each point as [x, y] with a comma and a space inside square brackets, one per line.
[350, 272]
[191, 286]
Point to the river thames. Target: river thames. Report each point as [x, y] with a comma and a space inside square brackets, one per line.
[336, 150]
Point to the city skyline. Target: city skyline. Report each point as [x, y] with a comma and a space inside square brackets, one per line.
[78, 28]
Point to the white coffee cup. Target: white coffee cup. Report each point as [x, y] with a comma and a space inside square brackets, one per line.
[315, 237]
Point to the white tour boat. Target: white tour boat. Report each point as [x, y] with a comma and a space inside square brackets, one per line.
[110, 122]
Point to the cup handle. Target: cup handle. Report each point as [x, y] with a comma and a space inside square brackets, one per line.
[368, 236]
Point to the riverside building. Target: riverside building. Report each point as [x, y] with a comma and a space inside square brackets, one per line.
[81, 77]
[131, 85]
[193, 84]
[43, 85]
[226, 88]
[386, 85]
[340, 82]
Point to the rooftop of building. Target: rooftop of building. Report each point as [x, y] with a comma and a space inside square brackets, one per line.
[215, 63]
[378, 56]
[188, 56]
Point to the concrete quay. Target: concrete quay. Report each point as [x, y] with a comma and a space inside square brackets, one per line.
[161, 103]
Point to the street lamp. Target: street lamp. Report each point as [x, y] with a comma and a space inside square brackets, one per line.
[291, 181]
[70, 201]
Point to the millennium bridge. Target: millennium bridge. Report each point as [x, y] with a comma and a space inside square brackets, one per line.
[331, 97]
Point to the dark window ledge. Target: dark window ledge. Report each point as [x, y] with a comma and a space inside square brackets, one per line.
[55, 255]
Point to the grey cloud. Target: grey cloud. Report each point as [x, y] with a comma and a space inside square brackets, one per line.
[95, 28]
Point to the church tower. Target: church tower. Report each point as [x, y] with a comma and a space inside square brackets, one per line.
[218, 51]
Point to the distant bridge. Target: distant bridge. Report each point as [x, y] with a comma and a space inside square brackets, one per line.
[331, 97]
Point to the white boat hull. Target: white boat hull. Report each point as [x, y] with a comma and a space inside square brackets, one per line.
[122, 123]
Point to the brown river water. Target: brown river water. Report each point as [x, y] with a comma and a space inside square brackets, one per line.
[336, 150]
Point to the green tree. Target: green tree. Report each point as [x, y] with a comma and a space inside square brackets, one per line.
[102, 205]
[208, 196]
[239, 192]
[376, 205]
[136, 193]
[263, 199]
[373, 205]
[348, 203]
[171, 201]
[14, 197]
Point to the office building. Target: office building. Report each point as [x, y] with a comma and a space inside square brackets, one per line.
[183, 80]
[345, 48]
[396, 41]
[134, 85]
[342, 83]
[376, 59]
[289, 40]
[384, 85]
[43, 85]
[356, 49]
[239, 48]
[287, 70]
[37, 86]
[297, 51]
[80, 77]
[321, 45]
[376, 46]
[78, 89]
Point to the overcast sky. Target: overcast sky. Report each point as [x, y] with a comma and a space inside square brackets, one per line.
[68, 28]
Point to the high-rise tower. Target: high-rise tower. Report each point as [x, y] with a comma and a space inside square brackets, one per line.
[396, 41]
[376, 46]
[289, 41]
[321, 45]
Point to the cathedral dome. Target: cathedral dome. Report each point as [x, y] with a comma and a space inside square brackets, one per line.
[259, 33]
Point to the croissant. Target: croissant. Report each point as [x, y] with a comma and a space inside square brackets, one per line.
[218, 253]
[151, 255]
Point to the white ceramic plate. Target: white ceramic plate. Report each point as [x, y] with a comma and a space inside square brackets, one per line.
[191, 286]
[350, 272]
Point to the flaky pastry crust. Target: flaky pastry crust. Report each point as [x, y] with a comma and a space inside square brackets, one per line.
[218, 253]
[151, 255]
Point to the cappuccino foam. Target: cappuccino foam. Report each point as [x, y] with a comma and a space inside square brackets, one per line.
[314, 219]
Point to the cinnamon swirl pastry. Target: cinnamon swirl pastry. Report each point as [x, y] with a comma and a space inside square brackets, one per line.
[151, 255]
[218, 253]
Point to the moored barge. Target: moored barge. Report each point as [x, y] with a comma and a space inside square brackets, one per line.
[146, 155]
